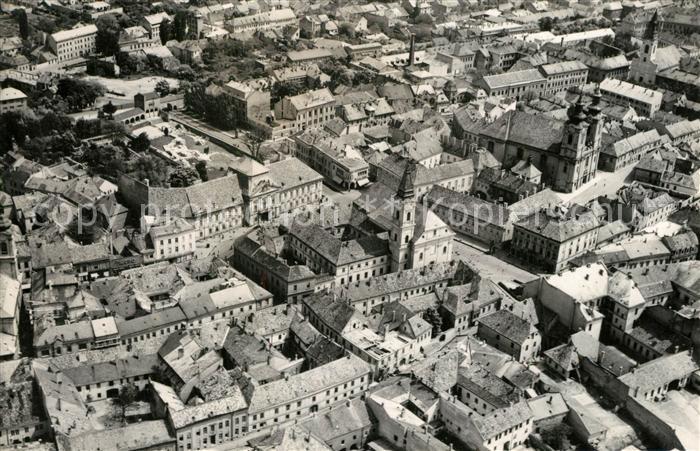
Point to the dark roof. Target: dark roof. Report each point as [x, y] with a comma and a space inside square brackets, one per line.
[335, 313]
[508, 324]
[539, 131]
[560, 225]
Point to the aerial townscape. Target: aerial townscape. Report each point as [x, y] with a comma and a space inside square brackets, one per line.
[334, 225]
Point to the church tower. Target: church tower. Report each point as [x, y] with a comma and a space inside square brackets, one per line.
[650, 40]
[595, 118]
[573, 149]
[403, 221]
[643, 69]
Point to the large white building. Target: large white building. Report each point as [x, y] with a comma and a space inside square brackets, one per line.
[74, 43]
[645, 101]
[276, 19]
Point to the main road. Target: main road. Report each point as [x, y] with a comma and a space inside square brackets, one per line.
[488, 265]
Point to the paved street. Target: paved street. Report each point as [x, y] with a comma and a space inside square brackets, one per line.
[605, 184]
[488, 265]
[340, 197]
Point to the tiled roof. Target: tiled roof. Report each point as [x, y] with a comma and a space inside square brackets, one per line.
[560, 226]
[214, 195]
[400, 281]
[660, 372]
[194, 414]
[513, 79]
[353, 416]
[310, 382]
[335, 313]
[501, 420]
[509, 325]
[336, 251]
[142, 435]
[486, 385]
[140, 365]
[539, 131]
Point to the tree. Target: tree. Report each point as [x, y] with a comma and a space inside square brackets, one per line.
[434, 319]
[108, 31]
[558, 437]
[79, 94]
[109, 109]
[163, 88]
[166, 31]
[201, 167]
[347, 29]
[254, 145]
[183, 176]
[546, 23]
[151, 168]
[141, 143]
[127, 396]
[20, 16]
[83, 228]
[180, 25]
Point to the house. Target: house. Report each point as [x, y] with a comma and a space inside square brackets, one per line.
[511, 334]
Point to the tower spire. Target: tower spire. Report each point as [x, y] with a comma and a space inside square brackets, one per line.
[408, 179]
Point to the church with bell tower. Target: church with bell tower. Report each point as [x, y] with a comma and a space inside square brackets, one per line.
[644, 68]
[580, 145]
[417, 236]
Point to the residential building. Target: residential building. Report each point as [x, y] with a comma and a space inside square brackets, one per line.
[275, 19]
[211, 207]
[500, 429]
[205, 424]
[563, 76]
[73, 44]
[552, 238]
[305, 111]
[250, 104]
[341, 164]
[299, 396]
[645, 101]
[630, 150]
[12, 99]
[347, 260]
[511, 334]
[514, 84]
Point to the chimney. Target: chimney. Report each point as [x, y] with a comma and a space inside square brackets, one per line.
[180, 353]
[59, 378]
[412, 51]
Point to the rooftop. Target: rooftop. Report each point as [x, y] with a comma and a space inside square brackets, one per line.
[304, 384]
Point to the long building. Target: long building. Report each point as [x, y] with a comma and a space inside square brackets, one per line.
[646, 102]
[286, 400]
[276, 19]
[74, 43]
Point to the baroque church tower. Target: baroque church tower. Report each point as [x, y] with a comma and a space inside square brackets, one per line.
[403, 220]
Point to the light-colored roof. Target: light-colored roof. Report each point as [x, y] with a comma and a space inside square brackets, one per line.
[9, 292]
[302, 385]
[8, 94]
[631, 91]
[508, 79]
[132, 437]
[660, 372]
[74, 33]
[312, 99]
[563, 67]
